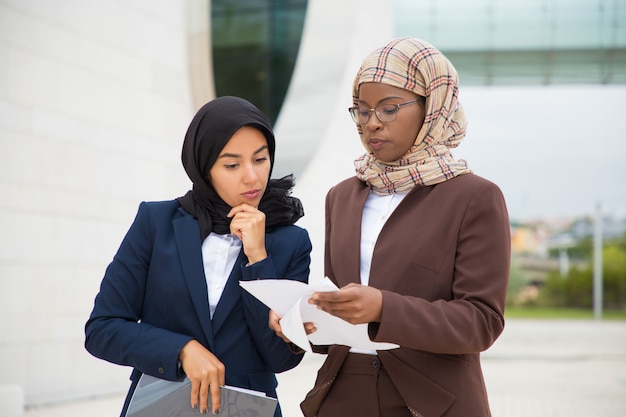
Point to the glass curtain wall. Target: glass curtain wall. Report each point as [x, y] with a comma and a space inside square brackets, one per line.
[255, 46]
[508, 42]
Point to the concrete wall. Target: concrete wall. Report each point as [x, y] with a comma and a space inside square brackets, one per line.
[95, 98]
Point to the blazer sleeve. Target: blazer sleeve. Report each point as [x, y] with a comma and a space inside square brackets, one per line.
[289, 258]
[114, 331]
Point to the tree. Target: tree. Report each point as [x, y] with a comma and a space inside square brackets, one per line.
[576, 289]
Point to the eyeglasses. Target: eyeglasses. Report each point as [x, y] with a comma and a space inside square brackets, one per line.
[384, 112]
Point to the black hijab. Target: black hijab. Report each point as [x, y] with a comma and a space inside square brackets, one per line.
[209, 131]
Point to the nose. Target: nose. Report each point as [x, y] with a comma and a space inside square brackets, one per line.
[373, 123]
[250, 174]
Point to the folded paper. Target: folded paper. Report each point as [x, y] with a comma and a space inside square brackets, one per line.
[289, 299]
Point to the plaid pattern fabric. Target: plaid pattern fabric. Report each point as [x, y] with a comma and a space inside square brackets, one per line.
[417, 66]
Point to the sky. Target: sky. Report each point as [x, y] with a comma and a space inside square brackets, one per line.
[555, 151]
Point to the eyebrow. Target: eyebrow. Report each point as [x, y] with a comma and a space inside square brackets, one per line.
[383, 100]
[235, 155]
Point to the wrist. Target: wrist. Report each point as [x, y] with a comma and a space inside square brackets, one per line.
[256, 257]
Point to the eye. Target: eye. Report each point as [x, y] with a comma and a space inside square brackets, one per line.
[362, 111]
[231, 166]
[261, 159]
[388, 109]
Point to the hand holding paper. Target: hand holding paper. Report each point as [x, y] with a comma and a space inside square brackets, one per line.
[289, 299]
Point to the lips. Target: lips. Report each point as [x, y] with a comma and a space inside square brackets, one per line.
[376, 143]
[252, 194]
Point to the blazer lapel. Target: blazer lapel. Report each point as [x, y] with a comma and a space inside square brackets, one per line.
[232, 291]
[348, 235]
[189, 246]
[230, 295]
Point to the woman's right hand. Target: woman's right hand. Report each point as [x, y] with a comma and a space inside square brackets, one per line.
[206, 373]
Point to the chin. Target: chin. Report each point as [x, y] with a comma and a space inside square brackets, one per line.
[383, 158]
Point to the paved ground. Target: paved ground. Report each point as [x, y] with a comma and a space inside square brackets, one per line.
[536, 369]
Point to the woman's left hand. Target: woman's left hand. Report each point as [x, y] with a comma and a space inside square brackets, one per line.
[248, 224]
[274, 324]
[354, 303]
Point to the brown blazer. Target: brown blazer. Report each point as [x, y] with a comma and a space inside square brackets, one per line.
[442, 263]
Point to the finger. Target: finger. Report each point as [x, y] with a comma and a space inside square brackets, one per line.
[325, 298]
[274, 322]
[215, 398]
[241, 208]
[335, 296]
[195, 390]
[309, 328]
[204, 398]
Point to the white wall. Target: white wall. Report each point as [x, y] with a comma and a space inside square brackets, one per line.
[94, 103]
[315, 136]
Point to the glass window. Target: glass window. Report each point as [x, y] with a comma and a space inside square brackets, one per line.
[255, 44]
[523, 41]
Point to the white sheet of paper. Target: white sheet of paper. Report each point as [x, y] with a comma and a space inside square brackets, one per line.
[289, 299]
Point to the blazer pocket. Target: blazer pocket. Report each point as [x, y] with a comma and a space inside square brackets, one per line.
[422, 281]
[433, 399]
[325, 379]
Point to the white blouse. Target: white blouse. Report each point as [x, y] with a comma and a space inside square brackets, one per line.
[219, 254]
[377, 210]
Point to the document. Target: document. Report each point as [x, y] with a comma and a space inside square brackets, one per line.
[289, 298]
[155, 397]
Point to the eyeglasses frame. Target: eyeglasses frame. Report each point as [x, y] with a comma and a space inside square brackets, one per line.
[398, 107]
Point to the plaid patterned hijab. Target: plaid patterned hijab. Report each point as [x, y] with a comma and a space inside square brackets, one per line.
[416, 66]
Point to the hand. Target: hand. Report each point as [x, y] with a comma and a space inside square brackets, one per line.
[354, 303]
[274, 324]
[206, 373]
[248, 224]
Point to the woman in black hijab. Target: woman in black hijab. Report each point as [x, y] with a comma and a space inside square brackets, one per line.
[170, 304]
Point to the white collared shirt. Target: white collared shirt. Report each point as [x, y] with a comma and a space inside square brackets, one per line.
[219, 254]
[377, 210]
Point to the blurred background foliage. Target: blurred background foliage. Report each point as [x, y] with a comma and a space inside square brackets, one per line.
[574, 289]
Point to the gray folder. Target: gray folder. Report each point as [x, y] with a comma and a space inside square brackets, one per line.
[155, 397]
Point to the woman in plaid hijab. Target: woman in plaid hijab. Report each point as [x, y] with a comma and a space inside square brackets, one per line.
[419, 247]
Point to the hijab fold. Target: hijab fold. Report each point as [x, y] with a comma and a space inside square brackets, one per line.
[416, 66]
[209, 131]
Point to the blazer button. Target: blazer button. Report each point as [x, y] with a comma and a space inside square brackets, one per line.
[375, 364]
[161, 370]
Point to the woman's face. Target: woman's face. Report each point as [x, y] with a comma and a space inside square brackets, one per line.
[241, 172]
[389, 141]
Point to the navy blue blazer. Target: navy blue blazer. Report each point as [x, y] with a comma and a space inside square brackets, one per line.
[153, 299]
